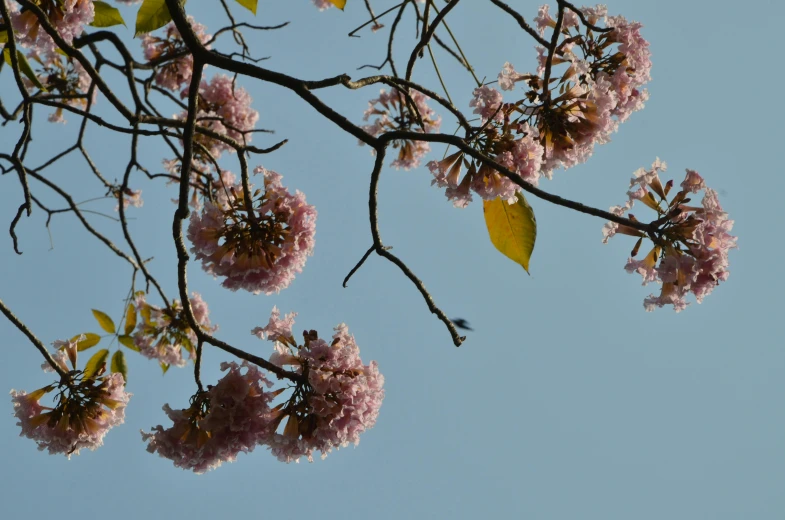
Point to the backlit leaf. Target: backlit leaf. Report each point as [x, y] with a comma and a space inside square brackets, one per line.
[95, 364]
[24, 67]
[152, 15]
[104, 321]
[106, 15]
[130, 319]
[249, 4]
[119, 365]
[90, 340]
[340, 4]
[128, 342]
[512, 228]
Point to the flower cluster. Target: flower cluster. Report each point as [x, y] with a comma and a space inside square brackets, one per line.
[338, 400]
[65, 77]
[258, 244]
[224, 109]
[163, 334]
[334, 400]
[323, 4]
[87, 405]
[519, 151]
[691, 243]
[68, 17]
[394, 112]
[176, 61]
[231, 417]
[561, 117]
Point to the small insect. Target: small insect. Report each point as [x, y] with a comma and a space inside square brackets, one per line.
[462, 324]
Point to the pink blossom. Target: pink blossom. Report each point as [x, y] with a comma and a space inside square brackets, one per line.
[522, 156]
[487, 103]
[172, 74]
[231, 417]
[69, 18]
[343, 397]
[85, 410]
[261, 252]
[162, 334]
[691, 252]
[61, 76]
[277, 329]
[508, 77]
[130, 198]
[392, 113]
[322, 4]
[224, 109]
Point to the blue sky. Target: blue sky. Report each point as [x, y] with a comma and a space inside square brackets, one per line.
[568, 400]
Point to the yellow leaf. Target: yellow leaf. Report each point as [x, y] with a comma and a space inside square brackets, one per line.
[104, 321]
[128, 342]
[248, 4]
[119, 365]
[106, 15]
[130, 319]
[90, 341]
[152, 15]
[96, 363]
[340, 4]
[512, 228]
[24, 67]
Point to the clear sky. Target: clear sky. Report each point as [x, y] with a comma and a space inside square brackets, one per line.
[568, 401]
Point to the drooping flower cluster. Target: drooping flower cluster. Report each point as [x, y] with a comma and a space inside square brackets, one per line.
[231, 417]
[519, 151]
[61, 76]
[599, 87]
[87, 405]
[260, 250]
[323, 4]
[130, 197]
[555, 124]
[339, 399]
[394, 112]
[68, 17]
[225, 109]
[176, 61]
[691, 243]
[163, 334]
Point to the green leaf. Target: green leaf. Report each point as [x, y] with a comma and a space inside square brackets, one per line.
[104, 321]
[340, 4]
[130, 319]
[3, 36]
[106, 15]
[95, 364]
[512, 228]
[24, 67]
[90, 341]
[164, 367]
[248, 4]
[119, 365]
[128, 342]
[152, 15]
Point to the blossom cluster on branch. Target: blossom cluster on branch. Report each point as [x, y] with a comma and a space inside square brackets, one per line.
[589, 75]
